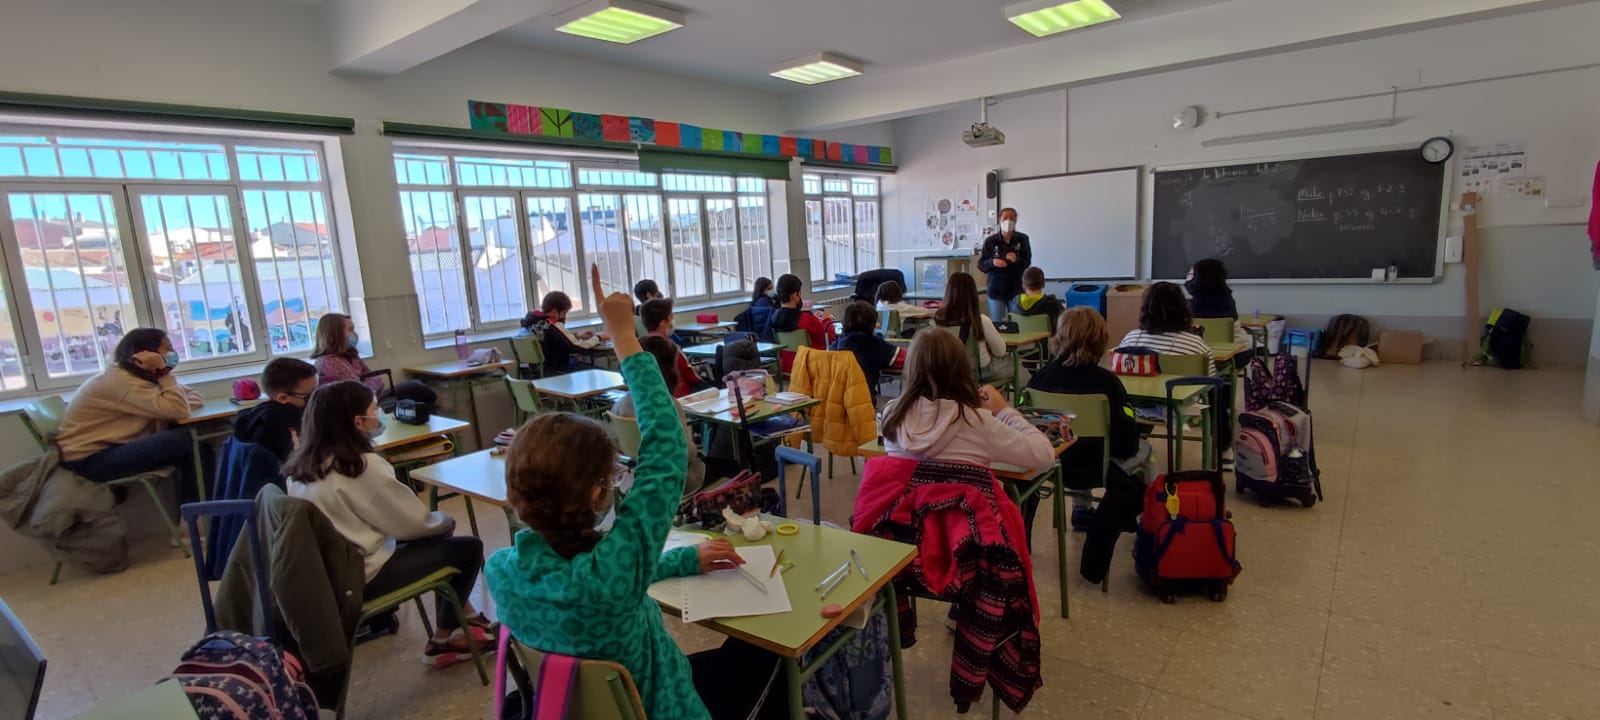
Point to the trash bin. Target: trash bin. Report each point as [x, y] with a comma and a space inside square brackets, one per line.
[1088, 294]
[1122, 310]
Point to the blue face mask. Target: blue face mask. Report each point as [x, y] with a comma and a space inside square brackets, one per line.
[375, 432]
[355, 340]
[171, 359]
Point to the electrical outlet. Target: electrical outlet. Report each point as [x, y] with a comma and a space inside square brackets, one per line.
[1452, 249]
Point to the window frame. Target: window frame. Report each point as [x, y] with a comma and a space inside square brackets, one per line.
[143, 289]
[821, 188]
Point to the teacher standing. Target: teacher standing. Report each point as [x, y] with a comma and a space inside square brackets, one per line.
[1005, 255]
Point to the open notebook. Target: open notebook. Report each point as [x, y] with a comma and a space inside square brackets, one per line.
[724, 593]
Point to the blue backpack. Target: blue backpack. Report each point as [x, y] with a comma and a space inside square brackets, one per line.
[233, 676]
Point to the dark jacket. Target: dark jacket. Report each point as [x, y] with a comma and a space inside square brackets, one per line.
[874, 354]
[1046, 305]
[76, 519]
[317, 584]
[1212, 304]
[757, 318]
[867, 283]
[271, 425]
[1005, 282]
[245, 469]
[1081, 462]
[558, 349]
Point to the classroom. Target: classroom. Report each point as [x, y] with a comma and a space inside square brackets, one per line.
[967, 311]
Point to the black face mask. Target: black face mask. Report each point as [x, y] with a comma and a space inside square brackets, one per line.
[1190, 285]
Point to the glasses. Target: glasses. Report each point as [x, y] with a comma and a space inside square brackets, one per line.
[300, 396]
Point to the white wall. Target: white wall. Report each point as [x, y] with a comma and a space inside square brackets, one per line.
[1533, 258]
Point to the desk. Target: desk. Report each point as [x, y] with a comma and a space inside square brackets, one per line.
[162, 701]
[1014, 342]
[476, 476]
[206, 424]
[815, 552]
[923, 296]
[708, 351]
[455, 372]
[398, 434]
[704, 330]
[762, 410]
[1154, 389]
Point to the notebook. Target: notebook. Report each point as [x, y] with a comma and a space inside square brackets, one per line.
[725, 593]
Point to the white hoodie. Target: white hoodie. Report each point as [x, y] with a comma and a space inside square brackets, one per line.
[937, 430]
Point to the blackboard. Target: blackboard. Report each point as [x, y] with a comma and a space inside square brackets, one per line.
[1322, 217]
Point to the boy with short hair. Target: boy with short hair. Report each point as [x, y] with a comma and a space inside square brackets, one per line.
[873, 353]
[286, 383]
[1033, 300]
[656, 314]
[549, 324]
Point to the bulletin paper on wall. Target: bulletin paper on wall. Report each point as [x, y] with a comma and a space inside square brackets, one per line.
[1483, 165]
[950, 221]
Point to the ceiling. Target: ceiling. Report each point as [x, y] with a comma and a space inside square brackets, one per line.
[739, 41]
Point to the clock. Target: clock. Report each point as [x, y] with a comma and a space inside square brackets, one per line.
[1437, 150]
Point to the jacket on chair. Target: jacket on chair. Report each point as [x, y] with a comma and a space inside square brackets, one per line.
[845, 419]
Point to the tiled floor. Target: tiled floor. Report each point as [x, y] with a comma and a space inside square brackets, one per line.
[1447, 575]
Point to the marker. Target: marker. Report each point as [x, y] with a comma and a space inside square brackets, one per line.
[842, 569]
[857, 560]
[835, 584]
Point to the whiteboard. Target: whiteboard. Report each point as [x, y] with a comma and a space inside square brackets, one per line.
[1082, 226]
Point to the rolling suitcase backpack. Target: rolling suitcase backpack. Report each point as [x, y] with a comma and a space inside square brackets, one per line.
[1273, 455]
[1185, 536]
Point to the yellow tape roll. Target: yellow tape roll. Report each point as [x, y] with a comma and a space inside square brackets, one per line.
[788, 529]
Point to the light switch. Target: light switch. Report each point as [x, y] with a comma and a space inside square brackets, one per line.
[1452, 249]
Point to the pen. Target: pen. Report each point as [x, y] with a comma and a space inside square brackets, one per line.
[842, 569]
[776, 563]
[752, 580]
[835, 584]
[857, 560]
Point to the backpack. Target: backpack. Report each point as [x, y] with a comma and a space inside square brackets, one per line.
[1344, 330]
[1281, 384]
[1273, 454]
[1186, 536]
[1505, 341]
[233, 676]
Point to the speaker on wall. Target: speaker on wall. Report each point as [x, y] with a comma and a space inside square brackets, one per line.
[992, 184]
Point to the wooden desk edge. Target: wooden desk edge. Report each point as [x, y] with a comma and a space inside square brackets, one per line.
[422, 477]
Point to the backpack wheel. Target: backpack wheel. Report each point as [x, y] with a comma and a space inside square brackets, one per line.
[1167, 597]
[1308, 499]
[1218, 594]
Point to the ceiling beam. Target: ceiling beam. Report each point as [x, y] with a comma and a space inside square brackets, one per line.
[385, 37]
[1229, 30]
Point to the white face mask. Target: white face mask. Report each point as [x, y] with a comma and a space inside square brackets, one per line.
[1007, 226]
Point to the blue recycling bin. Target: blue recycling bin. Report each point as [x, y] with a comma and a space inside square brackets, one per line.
[1089, 295]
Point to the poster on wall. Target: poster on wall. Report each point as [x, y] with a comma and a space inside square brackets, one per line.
[950, 221]
[1481, 165]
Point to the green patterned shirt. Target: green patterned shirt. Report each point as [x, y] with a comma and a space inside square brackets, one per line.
[594, 605]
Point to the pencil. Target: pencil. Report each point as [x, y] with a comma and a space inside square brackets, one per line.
[750, 578]
[776, 562]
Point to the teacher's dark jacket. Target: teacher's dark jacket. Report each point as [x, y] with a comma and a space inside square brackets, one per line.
[1005, 282]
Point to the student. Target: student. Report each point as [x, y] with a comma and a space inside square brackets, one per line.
[568, 585]
[891, 298]
[1079, 342]
[789, 316]
[548, 323]
[873, 353]
[400, 541]
[758, 317]
[119, 422]
[962, 314]
[666, 355]
[646, 290]
[1165, 325]
[1209, 295]
[943, 415]
[336, 353]
[275, 423]
[656, 314]
[1033, 300]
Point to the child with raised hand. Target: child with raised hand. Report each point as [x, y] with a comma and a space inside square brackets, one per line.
[565, 586]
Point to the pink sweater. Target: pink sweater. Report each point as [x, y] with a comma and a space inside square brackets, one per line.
[333, 368]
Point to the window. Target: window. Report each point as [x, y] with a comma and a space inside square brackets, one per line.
[489, 235]
[842, 224]
[225, 243]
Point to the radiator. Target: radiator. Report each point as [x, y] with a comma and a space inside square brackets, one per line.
[834, 306]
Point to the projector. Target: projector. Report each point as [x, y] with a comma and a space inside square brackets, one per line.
[982, 135]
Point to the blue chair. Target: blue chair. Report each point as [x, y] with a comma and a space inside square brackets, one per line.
[239, 514]
[245, 469]
[790, 456]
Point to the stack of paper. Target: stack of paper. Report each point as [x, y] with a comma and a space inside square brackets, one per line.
[725, 593]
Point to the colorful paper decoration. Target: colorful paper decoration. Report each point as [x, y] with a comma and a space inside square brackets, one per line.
[586, 126]
[614, 128]
[557, 122]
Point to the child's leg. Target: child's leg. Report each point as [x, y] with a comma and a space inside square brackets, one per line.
[738, 677]
[415, 559]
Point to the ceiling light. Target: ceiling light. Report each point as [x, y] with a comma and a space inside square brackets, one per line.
[818, 68]
[618, 21]
[1048, 17]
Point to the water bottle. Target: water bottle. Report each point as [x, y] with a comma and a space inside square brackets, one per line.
[461, 345]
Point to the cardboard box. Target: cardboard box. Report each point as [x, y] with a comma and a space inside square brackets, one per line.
[1403, 347]
[1122, 310]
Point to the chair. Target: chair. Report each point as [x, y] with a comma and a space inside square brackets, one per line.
[1091, 419]
[526, 396]
[626, 431]
[1032, 324]
[437, 583]
[209, 566]
[529, 354]
[43, 418]
[1216, 330]
[889, 323]
[1195, 370]
[806, 462]
[790, 341]
[603, 690]
[386, 397]
[22, 667]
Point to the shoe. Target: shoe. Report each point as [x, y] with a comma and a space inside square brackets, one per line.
[1082, 515]
[449, 652]
[119, 494]
[386, 624]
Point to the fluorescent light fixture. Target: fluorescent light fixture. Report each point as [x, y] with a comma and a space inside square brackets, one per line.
[819, 68]
[1300, 132]
[1042, 18]
[618, 21]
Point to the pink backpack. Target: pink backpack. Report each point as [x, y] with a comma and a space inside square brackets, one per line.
[552, 694]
